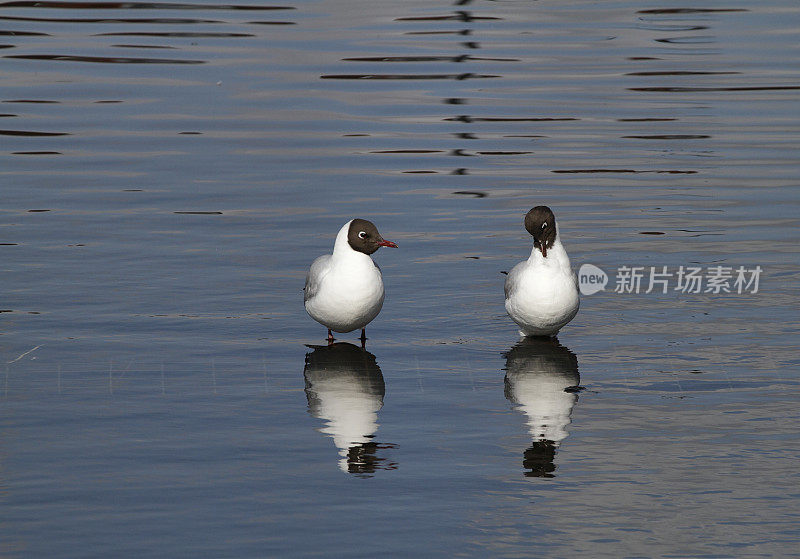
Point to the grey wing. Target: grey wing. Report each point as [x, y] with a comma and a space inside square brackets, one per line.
[512, 279]
[314, 276]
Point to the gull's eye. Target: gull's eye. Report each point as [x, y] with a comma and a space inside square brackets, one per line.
[544, 225]
[362, 235]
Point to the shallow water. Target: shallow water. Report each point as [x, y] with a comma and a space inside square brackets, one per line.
[169, 171]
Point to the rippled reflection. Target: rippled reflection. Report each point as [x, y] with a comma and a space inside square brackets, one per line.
[344, 387]
[542, 381]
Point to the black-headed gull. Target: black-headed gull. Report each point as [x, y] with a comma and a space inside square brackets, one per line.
[542, 292]
[344, 290]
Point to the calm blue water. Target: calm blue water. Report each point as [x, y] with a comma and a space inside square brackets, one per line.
[169, 171]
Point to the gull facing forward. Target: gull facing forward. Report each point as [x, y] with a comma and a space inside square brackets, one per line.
[542, 292]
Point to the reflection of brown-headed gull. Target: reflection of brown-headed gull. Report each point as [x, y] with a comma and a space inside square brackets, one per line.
[344, 290]
[542, 381]
[542, 292]
[344, 387]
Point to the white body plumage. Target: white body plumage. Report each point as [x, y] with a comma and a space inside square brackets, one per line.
[542, 292]
[344, 290]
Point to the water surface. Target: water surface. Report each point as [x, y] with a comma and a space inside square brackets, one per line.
[170, 170]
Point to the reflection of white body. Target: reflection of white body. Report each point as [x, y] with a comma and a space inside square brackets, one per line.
[538, 372]
[345, 387]
[542, 292]
[351, 412]
[344, 290]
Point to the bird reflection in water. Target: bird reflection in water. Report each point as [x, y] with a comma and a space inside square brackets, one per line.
[542, 380]
[345, 387]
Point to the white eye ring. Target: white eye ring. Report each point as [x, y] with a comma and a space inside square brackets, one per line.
[544, 225]
[362, 235]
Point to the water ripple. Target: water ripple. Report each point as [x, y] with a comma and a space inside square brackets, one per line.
[31, 133]
[661, 11]
[465, 76]
[23, 34]
[175, 21]
[188, 34]
[135, 6]
[679, 89]
[103, 59]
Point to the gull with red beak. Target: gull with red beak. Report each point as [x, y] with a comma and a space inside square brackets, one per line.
[542, 292]
[344, 290]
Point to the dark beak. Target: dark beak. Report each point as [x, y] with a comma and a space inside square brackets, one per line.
[385, 243]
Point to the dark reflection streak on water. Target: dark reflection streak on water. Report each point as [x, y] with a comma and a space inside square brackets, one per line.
[135, 6]
[690, 10]
[143, 47]
[30, 101]
[23, 34]
[458, 16]
[690, 89]
[172, 34]
[673, 28]
[459, 32]
[460, 58]
[462, 16]
[103, 59]
[170, 21]
[687, 40]
[670, 137]
[467, 118]
[679, 73]
[31, 133]
[577, 171]
[406, 76]
[504, 152]
[409, 151]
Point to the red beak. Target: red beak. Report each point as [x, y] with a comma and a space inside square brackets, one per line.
[385, 243]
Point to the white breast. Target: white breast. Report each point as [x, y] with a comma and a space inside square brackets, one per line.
[344, 290]
[349, 295]
[542, 293]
